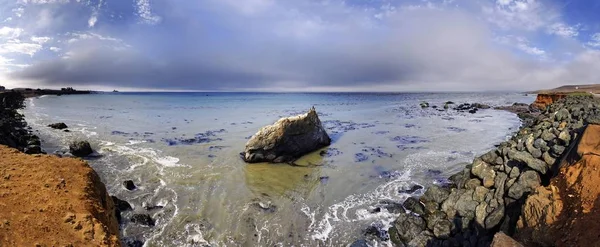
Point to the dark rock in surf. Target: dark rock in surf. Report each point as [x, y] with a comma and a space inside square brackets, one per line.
[411, 190]
[129, 185]
[58, 126]
[121, 205]
[143, 219]
[80, 148]
[32, 149]
[287, 139]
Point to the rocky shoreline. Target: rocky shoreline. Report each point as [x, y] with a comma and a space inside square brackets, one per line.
[490, 194]
[14, 131]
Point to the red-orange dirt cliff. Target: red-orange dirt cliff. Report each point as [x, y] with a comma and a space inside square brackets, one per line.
[51, 201]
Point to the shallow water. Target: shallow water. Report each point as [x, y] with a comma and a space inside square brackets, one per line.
[182, 151]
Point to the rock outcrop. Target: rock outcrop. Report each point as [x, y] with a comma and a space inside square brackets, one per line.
[493, 193]
[51, 201]
[287, 139]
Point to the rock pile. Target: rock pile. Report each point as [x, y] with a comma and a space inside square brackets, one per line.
[488, 195]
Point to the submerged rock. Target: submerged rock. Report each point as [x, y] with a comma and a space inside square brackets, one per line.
[287, 139]
[80, 148]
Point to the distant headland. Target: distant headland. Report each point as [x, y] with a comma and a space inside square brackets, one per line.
[30, 92]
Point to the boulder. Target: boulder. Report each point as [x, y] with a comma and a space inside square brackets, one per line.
[414, 205]
[407, 227]
[58, 126]
[80, 148]
[527, 182]
[442, 229]
[528, 159]
[484, 171]
[287, 139]
[435, 194]
[433, 218]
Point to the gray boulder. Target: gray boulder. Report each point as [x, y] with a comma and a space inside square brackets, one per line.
[414, 205]
[527, 182]
[528, 159]
[484, 171]
[287, 139]
[407, 227]
[435, 194]
[80, 148]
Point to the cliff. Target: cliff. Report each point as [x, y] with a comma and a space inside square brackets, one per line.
[51, 201]
[567, 212]
[545, 99]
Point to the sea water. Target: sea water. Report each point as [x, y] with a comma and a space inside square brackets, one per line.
[182, 150]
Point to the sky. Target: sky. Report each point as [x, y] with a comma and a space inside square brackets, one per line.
[299, 45]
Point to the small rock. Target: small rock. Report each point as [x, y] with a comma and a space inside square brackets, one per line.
[392, 206]
[548, 159]
[548, 136]
[58, 126]
[266, 206]
[411, 190]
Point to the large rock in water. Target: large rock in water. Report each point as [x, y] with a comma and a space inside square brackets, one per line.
[287, 139]
[80, 148]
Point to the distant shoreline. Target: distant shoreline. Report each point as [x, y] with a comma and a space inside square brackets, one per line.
[29, 93]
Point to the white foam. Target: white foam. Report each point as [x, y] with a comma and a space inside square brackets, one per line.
[195, 236]
[135, 142]
[354, 208]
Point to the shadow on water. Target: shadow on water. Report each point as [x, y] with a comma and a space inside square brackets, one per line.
[283, 179]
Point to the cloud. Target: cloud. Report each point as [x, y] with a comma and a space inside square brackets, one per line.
[14, 46]
[10, 33]
[594, 40]
[425, 46]
[301, 45]
[563, 30]
[40, 40]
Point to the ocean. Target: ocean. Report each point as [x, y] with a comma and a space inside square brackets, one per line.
[182, 150]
